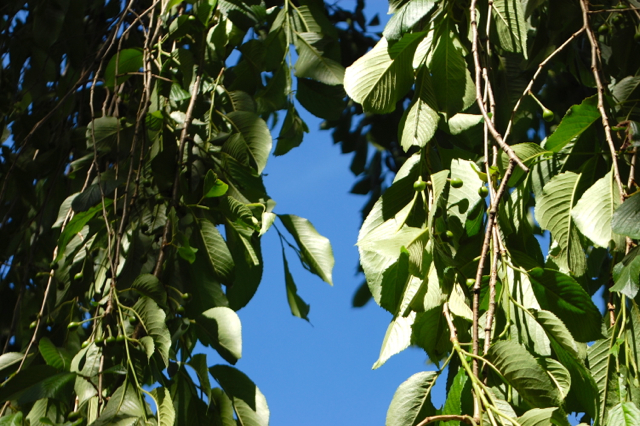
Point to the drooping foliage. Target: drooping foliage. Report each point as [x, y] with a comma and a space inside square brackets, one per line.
[135, 136]
[506, 245]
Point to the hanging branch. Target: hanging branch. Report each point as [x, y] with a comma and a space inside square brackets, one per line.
[491, 218]
[478, 81]
[493, 278]
[595, 69]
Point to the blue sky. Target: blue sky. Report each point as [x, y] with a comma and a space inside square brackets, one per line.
[320, 373]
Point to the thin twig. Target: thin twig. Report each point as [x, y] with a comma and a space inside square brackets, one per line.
[536, 75]
[478, 81]
[492, 293]
[595, 56]
[448, 417]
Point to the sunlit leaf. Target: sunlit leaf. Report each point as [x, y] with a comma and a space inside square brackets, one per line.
[593, 212]
[511, 25]
[412, 400]
[153, 320]
[522, 371]
[626, 218]
[315, 249]
[577, 119]
[382, 76]
[223, 329]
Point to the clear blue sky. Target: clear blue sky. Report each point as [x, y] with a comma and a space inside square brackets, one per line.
[320, 373]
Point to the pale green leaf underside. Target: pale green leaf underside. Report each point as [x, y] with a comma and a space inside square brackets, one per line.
[576, 120]
[315, 249]
[511, 25]
[553, 212]
[383, 75]
[411, 399]
[593, 212]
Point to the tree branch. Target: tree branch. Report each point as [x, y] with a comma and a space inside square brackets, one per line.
[595, 57]
[448, 417]
[478, 81]
[492, 214]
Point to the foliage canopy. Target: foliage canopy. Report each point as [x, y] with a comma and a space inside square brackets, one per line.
[132, 201]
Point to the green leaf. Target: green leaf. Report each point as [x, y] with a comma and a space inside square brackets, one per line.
[298, 306]
[624, 414]
[314, 64]
[529, 153]
[74, 226]
[461, 122]
[511, 25]
[12, 419]
[224, 406]
[321, 100]
[624, 88]
[255, 133]
[462, 201]
[315, 250]
[382, 234]
[165, 410]
[291, 133]
[453, 404]
[124, 408]
[153, 321]
[626, 274]
[626, 218]
[24, 379]
[537, 417]
[406, 17]
[54, 387]
[412, 400]
[149, 285]
[215, 248]
[578, 119]
[430, 332]
[213, 187]
[593, 212]
[87, 364]
[454, 88]
[526, 330]
[565, 297]
[396, 339]
[9, 362]
[555, 328]
[245, 247]
[102, 131]
[53, 356]
[224, 332]
[553, 212]
[248, 402]
[383, 75]
[523, 372]
[559, 375]
[420, 120]
[43, 412]
[199, 363]
[125, 61]
[599, 358]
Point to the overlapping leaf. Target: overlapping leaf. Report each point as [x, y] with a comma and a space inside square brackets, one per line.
[383, 76]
